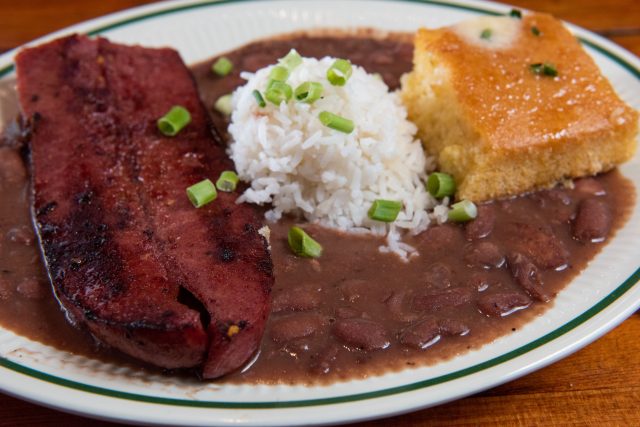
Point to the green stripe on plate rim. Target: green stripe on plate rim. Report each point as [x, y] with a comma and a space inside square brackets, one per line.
[567, 327]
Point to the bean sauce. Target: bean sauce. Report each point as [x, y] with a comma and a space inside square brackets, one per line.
[355, 311]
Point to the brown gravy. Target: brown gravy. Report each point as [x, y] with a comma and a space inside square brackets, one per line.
[355, 311]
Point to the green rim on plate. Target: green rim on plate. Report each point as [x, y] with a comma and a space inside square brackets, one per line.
[567, 327]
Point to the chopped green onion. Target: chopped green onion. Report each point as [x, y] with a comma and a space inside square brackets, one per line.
[385, 210]
[336, 122]
[339, 72]
[308, 92]
[278, 74]
[223, 105]
[463, 211]
[174, 121]
[440, 185]
[302, 244]
[486, 34]
[515, 13]
[278, 92]
[259, 99]
[546, 69]
[202, 193]
[227, 182]
[291, 60]
[535, 31]
[222, 66]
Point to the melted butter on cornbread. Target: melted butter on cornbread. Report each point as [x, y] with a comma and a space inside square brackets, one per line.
[502, 32]
[501, 129]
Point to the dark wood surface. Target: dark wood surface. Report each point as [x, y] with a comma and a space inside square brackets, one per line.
[599, 385]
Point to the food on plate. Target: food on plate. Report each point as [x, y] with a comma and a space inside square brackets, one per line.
[332, 151]
[509, 104]
[378, 265]
[127, 253]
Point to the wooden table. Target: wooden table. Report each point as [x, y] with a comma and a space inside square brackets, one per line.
[598, 385]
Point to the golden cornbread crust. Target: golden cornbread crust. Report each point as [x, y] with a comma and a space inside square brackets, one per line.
[501, 129]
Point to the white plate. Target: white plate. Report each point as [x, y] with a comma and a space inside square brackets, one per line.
[596, 301]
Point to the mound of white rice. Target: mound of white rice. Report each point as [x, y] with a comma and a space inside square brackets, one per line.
[300, 166]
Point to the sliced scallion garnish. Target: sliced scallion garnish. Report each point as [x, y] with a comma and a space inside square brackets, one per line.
[227, 182]
[336, 122]
[441, 185]
[279, 74]
[463, 211]
[259, 99]
[486, 34]
[302, 244]
[339, 72]
[535, 31]
[515, 13]
[202, 193]
[291, 60]
[223, 105]
[385, 210]
[278, 92]
[222, 66]
[544, 69]
[174, 121]
[308, 92]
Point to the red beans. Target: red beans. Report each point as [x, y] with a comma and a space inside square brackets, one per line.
[438, 275]
[436, 301]
[589, 187]
[428, 331]
[442, 237]
[539, 244]
[502, 304]
[593, 221]
[362, 334]
[421, 334]
[527, 275]
[295, 326]
[482, 226]
[484, 254]
[302, 298]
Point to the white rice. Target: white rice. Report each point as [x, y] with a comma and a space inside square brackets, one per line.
[302, 167]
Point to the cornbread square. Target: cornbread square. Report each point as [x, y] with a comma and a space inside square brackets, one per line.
[499, 127]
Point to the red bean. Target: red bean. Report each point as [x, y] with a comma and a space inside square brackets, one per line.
[453, 327]
[484, 254]
[590, 187]
[527, 275]
[436, 301]
[539, 244]
[295, 326]
[438, 276]
[362, 334]
[502, 304]
[302, 298]
[593, 221]
[442, 237]
[397, 307]
[421, 335]
[482, 226]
